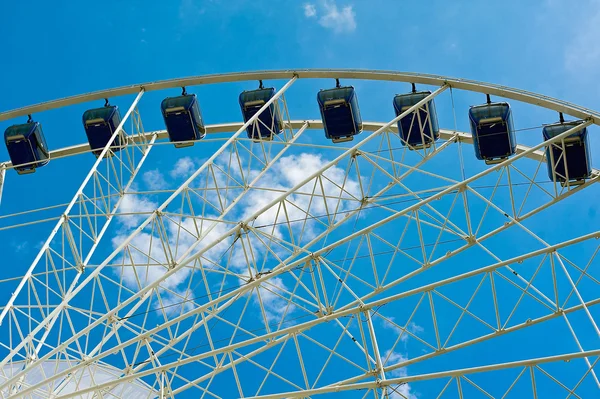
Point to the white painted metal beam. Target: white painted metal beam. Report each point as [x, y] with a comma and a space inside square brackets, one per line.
[424, 377]
[390, 76]
[92, 275]
[523, 152]
[185, 258]
[348, 312]
[313, 124]
[68, 209]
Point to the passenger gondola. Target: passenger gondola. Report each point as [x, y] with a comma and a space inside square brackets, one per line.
[26, 146]
[340, 113]
[493, 131]
[269, 121]
[183, 119]
[419, 129]
[569, 160]
[100, 124]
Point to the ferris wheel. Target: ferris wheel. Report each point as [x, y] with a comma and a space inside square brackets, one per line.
[449, 251]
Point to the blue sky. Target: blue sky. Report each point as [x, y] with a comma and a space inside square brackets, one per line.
[534, 45]
[57, 49]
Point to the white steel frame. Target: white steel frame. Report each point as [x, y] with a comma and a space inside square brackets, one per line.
[35, 318]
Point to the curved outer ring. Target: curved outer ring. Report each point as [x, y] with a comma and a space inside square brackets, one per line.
[435, 80]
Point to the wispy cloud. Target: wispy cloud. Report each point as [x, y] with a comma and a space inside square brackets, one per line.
[143, 36]
[400, 391]
[154, 180]
[391, 357]
[183, 168]
[176, 304]
[146, 261]
[149, 253]
[290, 171]
[271, 293]
[310, 10]
[20, 246]
[339, 20]
[135, 208]
[330, 16]
[389, 323]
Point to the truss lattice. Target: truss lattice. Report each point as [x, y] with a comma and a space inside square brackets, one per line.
[295, 268]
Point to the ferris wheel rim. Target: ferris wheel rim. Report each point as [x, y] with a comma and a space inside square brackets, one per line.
[100, 356]
[359, 74]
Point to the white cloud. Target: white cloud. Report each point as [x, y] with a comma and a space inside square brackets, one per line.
[415, 328]
[154, 180]
[292, 170]
[340, 20]
[183, 167]
[401, 391]
[288, 172]
[310, 10]
[176, 304]
[147, 264]
[389, 323]
[274, 305]
[393, 358]
[133, 204]
[145, 261]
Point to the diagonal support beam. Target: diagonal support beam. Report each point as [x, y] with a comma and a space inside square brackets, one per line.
[281, 270]
[425, 377]
[64, 218]
[144, 293]
[283, 333]
[49, 320]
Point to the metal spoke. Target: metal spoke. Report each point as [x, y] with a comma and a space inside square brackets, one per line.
[288, 266]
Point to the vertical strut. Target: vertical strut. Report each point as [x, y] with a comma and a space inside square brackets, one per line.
[376, 352]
